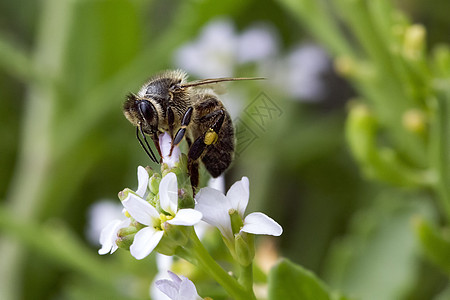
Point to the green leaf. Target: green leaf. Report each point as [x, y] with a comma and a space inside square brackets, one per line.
[290, 281]
[377, 259]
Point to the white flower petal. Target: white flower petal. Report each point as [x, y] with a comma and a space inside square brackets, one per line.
[238, 195]
[178, 288]
[165, 143]
[168, 193]
[259, 223]
[177, 280]
[145, 241]
[215, 206]
[168, 287]
[140, 210]
[187, 290]
[108, 235]
[186, 217]
[174, 158]
[143, 178]
[219, 182]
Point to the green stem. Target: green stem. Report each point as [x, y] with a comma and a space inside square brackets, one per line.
[246, 278]
[317, 17]
[209, 265]
[440, 152]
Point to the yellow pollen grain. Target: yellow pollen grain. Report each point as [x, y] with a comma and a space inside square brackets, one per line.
[165, 218]
[127, 214]
[211, 137]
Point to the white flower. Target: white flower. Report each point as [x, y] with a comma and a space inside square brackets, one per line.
[216, 208]
[100, 214]
[108, 235]
[178, 288]
[143, 212]
[213, 54]
[302, 73]
[257, 43]
[219, 49]
[165, 144]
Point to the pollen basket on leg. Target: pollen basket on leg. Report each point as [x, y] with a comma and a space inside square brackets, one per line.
[211, 137]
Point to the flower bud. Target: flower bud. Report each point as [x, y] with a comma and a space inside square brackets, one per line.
[348, 67]
[414, 42]
[345, 66]
[414, 120]
[154, 182]
[245, 250]
[360, 131]
[124, 194]
[149, 171]
[125, 237]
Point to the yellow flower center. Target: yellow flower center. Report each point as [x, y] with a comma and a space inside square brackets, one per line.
[165, 218]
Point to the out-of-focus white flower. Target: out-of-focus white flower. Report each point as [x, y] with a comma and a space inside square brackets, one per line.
[163, 263]
[178, 288]
[165, 143]
[216, 208]
[212, 54]
[301, 73]
[219, 49]
[143, 212]
[100, 214]
[256, 44]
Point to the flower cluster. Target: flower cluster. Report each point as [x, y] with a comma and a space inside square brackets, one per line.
[152, 223]
[161, 213]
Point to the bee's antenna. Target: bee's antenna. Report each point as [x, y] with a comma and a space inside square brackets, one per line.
[216, 80]
[149, 152]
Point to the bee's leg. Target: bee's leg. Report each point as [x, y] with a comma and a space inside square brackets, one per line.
[182, 131]
[156, 142]
[193, 175]
[189, 142]
[201, 143]
[170, 120]
[209, 137]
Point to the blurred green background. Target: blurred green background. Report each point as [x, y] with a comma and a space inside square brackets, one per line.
[66, 66]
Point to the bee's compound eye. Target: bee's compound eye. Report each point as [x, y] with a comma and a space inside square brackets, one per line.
[146, 109]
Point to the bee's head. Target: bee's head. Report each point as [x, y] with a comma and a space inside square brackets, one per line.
[141, 112]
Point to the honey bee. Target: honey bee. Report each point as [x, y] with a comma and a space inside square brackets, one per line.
[168, 103]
